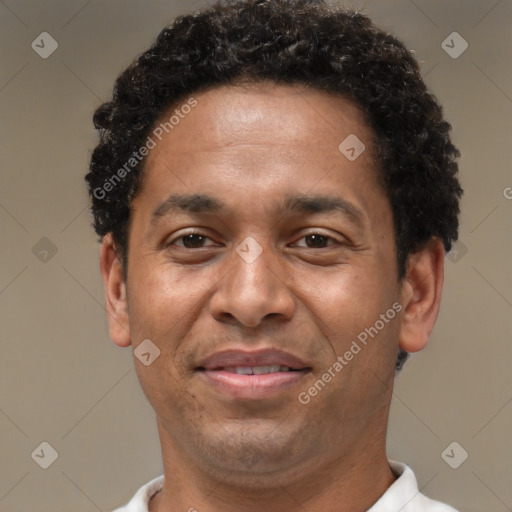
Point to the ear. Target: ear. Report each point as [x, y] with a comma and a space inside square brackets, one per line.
[421, 295]
[115, 292]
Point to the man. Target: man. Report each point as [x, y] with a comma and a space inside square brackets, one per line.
[275, 190]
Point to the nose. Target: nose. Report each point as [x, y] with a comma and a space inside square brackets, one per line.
[252, 291]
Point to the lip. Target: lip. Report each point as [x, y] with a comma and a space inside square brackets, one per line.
[251, 387]
[262, 357]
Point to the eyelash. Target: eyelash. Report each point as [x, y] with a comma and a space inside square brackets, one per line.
[172, 242]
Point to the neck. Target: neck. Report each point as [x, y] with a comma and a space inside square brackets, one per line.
[352, 482]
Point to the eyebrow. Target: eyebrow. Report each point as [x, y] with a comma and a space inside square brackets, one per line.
[306, 204]
[192, 203]
[301, 204]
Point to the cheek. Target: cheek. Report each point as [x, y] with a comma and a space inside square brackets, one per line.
[163, 307]
[346, 298]
[347, 306]
[167, 300]
[157, 300]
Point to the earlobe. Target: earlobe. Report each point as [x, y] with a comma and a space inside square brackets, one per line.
[421, 295]
[115, 292]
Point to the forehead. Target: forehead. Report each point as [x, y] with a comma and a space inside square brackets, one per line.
[265, 139]
[232, 115]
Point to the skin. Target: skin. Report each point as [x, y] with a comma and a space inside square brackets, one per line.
[249, 147]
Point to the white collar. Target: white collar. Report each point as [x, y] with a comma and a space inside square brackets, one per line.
[403, 495]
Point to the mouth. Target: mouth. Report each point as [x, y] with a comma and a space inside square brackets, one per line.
[252, 375]
[254, 370]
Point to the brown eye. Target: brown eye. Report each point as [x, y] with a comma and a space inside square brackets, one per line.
[190, 241]
[193, 240]
[316, 241]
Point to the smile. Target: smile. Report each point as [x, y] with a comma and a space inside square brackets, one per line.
[252, 383]
[254, 375]
[257, 370]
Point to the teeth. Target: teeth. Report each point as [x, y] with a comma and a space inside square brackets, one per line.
[243, 370]
[257, 370]
[261, 370]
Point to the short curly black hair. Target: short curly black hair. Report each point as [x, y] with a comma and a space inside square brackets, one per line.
[293, 42]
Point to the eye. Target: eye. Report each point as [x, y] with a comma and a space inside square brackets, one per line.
[196, 240]
[191, 240]
[317, 241]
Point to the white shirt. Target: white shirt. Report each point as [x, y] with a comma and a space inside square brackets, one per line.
[402, 496]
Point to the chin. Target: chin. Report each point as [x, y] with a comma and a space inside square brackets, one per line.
[256, 455]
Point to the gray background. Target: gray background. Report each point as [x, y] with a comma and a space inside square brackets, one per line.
[61, 379]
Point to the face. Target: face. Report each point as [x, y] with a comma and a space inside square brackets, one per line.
[259, 255]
